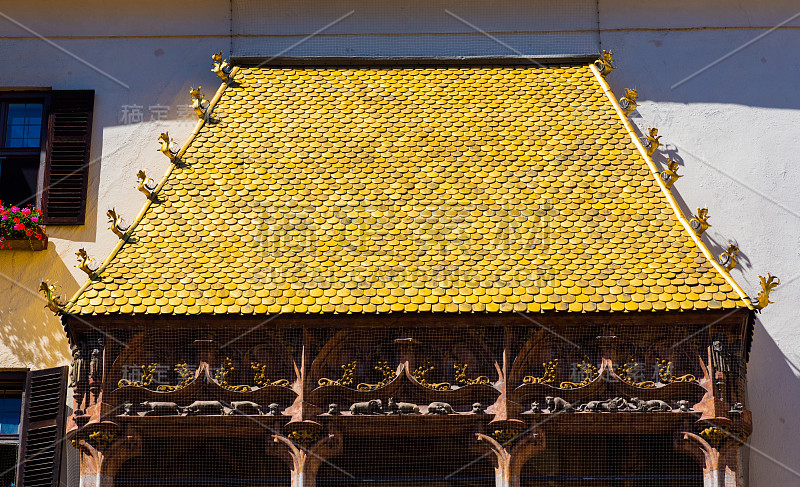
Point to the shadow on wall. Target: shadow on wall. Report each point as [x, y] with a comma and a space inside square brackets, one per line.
[773, 386]
[692, 67]
[32, 335]
[661, 157]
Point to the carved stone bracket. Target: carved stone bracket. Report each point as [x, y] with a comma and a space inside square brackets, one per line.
[102, 454]
[510, 448]
[305, 457]
[715, 450]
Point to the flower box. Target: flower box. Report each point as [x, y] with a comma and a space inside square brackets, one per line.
[24, 244]
[20, 228]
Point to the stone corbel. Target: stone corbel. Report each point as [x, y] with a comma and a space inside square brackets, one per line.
[714, 449]
[305, 458]
[509, 450]
[102, 454]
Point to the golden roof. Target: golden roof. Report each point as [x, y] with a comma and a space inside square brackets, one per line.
[451, 189]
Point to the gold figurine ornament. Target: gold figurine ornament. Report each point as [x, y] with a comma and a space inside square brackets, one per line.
[199, 102]
[83, 263]
[700, 222]
[146, 185]
[55, 303]
[650, 141]
[167, 144]
[670, 174]
[221, 67]
[605, 64]
[628, 102]
[768, 284]
[116, 223]
[728, 258]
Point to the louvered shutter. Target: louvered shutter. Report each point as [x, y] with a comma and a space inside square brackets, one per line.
[69, 139]
[42, 428]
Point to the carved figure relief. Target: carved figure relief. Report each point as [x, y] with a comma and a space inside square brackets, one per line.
[161, 408]
[247, 408]
[204, 408]
[557, 404]
[95, 368]
[647, 406]
[401, 407]
[441, 408]
[76, 374]
[373, 406]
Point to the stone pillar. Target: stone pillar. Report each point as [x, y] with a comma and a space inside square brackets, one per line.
[715, 449]
[304, 454]
[103, 453]
[509, 450]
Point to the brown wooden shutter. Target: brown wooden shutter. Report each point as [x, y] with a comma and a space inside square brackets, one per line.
[42, 429]
[69, 140]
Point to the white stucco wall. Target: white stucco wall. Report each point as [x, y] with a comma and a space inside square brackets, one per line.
[414, 28]
[734, 127]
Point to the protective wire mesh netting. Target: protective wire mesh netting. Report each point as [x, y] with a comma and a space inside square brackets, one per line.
[400, 406]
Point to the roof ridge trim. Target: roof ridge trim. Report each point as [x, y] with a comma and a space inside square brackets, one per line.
[200, 124]
[674, 204]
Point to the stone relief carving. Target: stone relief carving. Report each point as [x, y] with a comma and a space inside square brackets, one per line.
[440, 408]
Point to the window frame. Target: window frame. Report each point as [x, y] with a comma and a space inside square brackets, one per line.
[14, 381]
[27, 96]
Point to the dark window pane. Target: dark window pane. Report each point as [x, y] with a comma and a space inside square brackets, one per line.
[10, 408]
[11, 404]
[18, 178]
[23, 125]
[8, 465]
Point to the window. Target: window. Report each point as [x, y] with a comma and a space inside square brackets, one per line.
[21, 150]
[45, 137]
[11, 385]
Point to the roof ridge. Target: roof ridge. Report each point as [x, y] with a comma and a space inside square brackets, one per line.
[148, 203]
[667, 193]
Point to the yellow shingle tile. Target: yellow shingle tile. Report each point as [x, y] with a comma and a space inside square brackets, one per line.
[453, 189]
